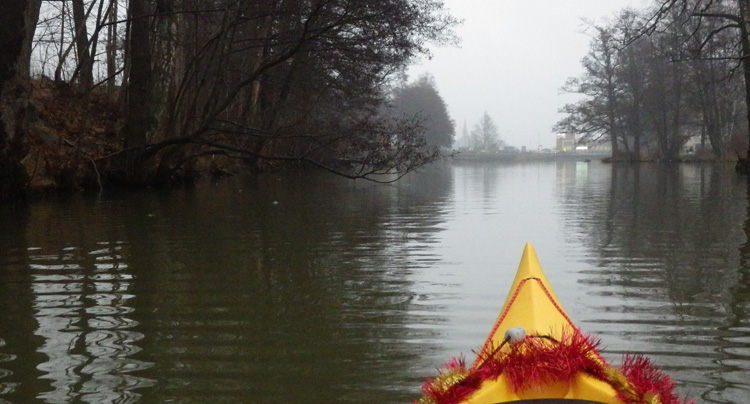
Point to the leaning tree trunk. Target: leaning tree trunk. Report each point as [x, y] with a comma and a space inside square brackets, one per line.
[17, 24]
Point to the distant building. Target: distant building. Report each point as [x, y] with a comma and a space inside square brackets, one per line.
[566, 142]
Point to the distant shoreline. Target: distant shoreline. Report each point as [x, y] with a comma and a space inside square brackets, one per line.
[529, 156]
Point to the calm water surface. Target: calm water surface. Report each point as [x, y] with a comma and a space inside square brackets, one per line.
[314, 289]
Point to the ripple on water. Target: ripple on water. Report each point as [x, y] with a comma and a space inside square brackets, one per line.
[83, 314]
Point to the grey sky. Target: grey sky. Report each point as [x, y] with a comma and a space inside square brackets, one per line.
[514, 57]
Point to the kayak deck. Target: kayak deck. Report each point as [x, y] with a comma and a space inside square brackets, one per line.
[535, 354]
[556, 401]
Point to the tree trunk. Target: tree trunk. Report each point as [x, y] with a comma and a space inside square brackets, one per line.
[612, 107]
[85, 67]
[151, 53]
[17, 24]
[111, 47]
[140, 121]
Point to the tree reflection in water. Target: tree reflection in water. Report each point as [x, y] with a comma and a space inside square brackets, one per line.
[81, 303]
[290, 289]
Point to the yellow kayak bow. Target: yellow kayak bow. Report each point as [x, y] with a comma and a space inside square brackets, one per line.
[535, 352]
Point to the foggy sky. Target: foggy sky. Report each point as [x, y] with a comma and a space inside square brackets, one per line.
[514, 57]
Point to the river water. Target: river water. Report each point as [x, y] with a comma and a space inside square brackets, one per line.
[301, 288]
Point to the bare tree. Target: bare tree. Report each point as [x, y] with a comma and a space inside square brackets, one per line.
[111, 44]
[598, 116]
[637, 87]
[141, 120]
[257, 83]
[279, 81]
[718, 93]
[714, 19]
[484, 134]
[85, 63]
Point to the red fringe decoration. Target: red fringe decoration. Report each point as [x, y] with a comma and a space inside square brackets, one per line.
[454, 384]
[647, 380]
[539, 360]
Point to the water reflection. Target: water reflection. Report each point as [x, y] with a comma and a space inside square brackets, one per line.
[82, 307]
[735, 341]
[66, 317]
[17, 348]
[282, 289]
[667, 270]
[290, 289]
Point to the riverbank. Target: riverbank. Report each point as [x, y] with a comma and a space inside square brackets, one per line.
[528, 156]
[580, 156]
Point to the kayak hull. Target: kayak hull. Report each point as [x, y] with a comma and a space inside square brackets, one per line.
[536, 354]
[533, 305]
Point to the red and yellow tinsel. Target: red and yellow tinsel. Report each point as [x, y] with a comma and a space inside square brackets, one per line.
[537, 361]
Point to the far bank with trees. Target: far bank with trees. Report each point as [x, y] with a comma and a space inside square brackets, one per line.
[655, 78]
